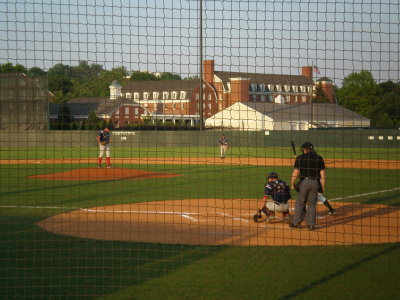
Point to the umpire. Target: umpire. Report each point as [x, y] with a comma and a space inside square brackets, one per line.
[311, 169]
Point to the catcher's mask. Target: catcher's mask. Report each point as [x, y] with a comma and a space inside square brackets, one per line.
[273, 175]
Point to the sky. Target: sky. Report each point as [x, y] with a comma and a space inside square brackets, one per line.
[273, 37]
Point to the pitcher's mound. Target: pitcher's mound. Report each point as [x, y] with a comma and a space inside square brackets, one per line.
[225, 222]
[103, 174]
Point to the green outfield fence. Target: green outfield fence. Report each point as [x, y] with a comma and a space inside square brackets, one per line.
[123, 138]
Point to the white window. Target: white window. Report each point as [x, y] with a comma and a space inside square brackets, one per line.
[197, 96]
[136, 111]
[253, 86]
[270, 87]
[287, 88]
[309, 89]
[209, 105]
[135, 96]
[182, 105]
[117, 112]
[303, 88]
[262, 87]
[295, 88]
[155, 95]
[183, 95]
[209, 96]
[128, 95]
[145, 95]
[278, 87]
[303, 98]
[126, 110]
[165, 95]
[173, 105]
[173, 95]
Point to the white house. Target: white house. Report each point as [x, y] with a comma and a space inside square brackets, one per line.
[274, 116]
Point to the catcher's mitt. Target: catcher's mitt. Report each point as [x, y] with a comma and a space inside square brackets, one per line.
[257, 217]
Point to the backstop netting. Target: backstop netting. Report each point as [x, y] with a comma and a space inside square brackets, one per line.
[199, 149]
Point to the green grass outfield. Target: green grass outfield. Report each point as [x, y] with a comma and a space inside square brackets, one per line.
[37, 264]
[87, 152]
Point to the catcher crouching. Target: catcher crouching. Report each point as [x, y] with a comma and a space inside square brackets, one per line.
[279, 192]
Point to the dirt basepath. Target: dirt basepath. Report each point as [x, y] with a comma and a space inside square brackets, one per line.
[225, 222]
[255, 161]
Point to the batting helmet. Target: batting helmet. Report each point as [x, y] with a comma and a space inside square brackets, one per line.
[307, 145]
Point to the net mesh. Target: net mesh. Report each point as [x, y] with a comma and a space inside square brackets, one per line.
[137, 138]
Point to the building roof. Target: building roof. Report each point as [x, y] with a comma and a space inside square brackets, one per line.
[265, 78]
[160, 86]
[304, 112]
[76, 109]
[104, 106]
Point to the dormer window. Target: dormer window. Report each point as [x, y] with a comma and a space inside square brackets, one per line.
[145, 95]
[278, 88]
[136, 96]
[165, 95]
[295, 88]
[253, 87]
[262, 87]
[183, 95]
[155, 95]
[309, 89]
[128, 95]
[270, 87]
[287, 88]
[303, 88]
[173, 95]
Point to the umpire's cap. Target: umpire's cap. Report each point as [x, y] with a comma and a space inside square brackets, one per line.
[273, 175]
[307, 145]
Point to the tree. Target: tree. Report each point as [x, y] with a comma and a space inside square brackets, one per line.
[93, 121]
[10, 68]
[170, 76]
[320, 95]
[143, 76]
[60, 82]
[359, 93]
[387, 111]
[36, 72]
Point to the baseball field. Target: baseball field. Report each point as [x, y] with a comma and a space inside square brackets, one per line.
[176, 223]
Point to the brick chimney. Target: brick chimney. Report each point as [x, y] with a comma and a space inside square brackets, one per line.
[208, 70]
[239, 90]
[307, 71]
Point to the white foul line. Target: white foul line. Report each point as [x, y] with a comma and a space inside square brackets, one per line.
[365, 194]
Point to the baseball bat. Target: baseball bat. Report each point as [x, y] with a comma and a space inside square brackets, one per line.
[294, 148]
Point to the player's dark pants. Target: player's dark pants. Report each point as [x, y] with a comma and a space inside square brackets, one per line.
[308, 194]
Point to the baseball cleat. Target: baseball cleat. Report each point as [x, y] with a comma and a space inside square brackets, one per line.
[295, 226]
[332, 212]
[109, 167]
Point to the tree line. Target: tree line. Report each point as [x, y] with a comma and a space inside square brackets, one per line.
[360, 93]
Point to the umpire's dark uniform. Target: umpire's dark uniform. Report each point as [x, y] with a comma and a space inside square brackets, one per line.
[309, 166]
